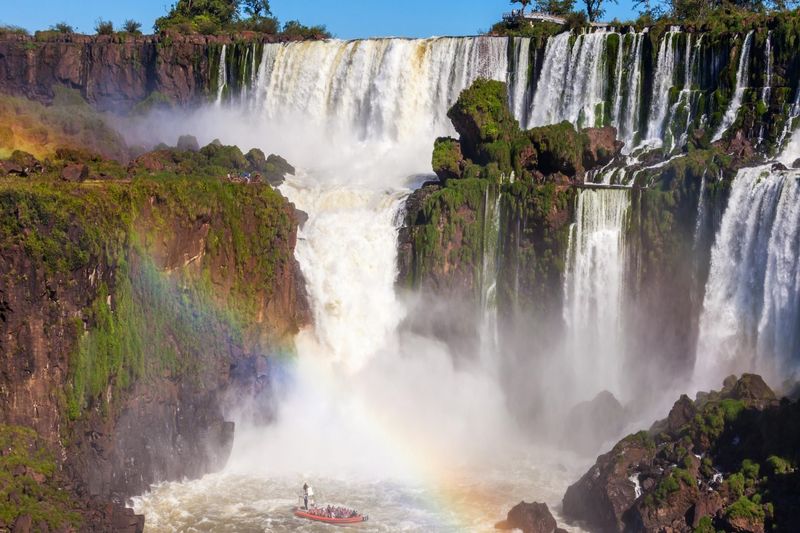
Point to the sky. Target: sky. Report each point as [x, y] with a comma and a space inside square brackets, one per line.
[346, 19]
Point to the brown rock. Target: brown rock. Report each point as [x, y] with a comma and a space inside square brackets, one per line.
[741, 524]
[75, 173]
[530, 518]
[23, 524]
[752, 389]
[602, 147]
[708, 504]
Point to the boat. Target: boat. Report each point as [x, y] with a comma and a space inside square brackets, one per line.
[319, 515]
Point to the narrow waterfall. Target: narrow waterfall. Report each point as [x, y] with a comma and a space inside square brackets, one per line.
[765, 91]
[628, 93]
[677, 130]
[793, 114]
[742, 75]
[572, 83]
[751, 313]
[663, 82]
[489, 269]
[519, 82]
[222, 74]
[593, 290]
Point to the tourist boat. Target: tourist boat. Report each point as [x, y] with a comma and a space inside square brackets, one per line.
[302, 513]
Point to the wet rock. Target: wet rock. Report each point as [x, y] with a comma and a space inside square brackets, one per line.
[188, 143]
[75, 172]
[778, 167]
[590, 424]
[602, 146]
[796, 163]
[682, 413]
[708, 504]
[752, 389]
[745, 524]
[603, 495]
[529, 518]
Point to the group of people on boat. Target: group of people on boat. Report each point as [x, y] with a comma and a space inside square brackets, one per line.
[333, 511]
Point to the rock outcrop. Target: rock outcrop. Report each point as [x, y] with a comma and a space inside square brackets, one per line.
[724, 461]
[130, 314]
[530, 518]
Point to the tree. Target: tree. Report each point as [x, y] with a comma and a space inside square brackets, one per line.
[210, 14]
[104, 27]
[594, 9]
[257, 9]
[131, 26]
[63, 27]
[555, 7]
[524, 5]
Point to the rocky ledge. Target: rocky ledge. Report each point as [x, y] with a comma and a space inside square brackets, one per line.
[724, 461]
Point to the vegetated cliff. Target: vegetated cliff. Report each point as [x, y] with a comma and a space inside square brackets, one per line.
[136, 305]
[497, 225]
[120, 72]
[725, 461]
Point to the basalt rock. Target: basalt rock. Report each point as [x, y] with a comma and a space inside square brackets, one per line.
[530, 518]
[592, 423]
[721, 462]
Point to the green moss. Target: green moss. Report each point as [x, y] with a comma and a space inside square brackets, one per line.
[736, 483]
[27, 482]
[447, 157]
[705, 525]
[778, 465]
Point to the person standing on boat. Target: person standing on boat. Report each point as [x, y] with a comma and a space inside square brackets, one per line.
[308, 494]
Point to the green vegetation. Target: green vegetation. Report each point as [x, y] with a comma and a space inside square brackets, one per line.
[62, 27]
[216, 16]
[133, 27]
[745, 508]
[104, 27]
[778, 465]
[27, 482]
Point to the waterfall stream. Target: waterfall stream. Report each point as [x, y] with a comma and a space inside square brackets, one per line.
[742, 74]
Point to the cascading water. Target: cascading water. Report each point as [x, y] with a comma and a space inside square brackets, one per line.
[572, 82]
[742, 74]
[519, 79]
[627, 96]
[222, 75]
[664, 80]
[593, 291]
[751, 311]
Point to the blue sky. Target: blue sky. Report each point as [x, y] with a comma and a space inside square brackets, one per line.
[345, 18]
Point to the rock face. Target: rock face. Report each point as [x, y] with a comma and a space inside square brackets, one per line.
[530, 518]
[723, 461]
[594, 422]
[112, 72]
[115, 353]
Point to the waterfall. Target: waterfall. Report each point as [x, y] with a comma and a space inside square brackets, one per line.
[519, 79]
[765, 91]
[593, 290]
[380, 88]
[751, 312]
[489, 269]
[572, 82]
[742, 74]
[664, 80]
[793, 114]
[222, 74]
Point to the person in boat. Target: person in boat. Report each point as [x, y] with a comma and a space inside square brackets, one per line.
[308, 494]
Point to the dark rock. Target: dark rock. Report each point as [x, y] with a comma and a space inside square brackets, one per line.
[796, 163]
[752, 389]
[708, 504]
[188, 143]
[778, 167]
[124, 520]
[605, 493]
[530, 518]
[682, 413]
[75, 172]
[590, 424]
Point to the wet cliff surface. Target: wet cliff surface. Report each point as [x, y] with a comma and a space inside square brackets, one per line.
[137, 313]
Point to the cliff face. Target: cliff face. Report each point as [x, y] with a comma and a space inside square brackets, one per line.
[134, 314]
[118, 72]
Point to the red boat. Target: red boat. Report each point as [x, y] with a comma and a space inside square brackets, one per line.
[319, 515]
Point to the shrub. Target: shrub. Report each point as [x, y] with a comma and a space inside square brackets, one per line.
[750, 469]
[778, 465]
[131, 26]
[705, 526]
[104, 27]
[6, 29]
[62, 27]
[736, 485]
[745, 508]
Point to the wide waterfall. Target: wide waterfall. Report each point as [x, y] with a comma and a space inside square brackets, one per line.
[358, 119]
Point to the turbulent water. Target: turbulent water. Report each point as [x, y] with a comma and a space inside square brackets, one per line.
[380, 418]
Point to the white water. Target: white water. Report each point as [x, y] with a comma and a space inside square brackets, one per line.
[372, 416]
[664, 80]
[593, 292]
[572, 83]
[742, 74]
[519, 77]
[222, 74]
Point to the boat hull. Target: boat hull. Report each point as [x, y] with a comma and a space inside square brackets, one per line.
[300, 513]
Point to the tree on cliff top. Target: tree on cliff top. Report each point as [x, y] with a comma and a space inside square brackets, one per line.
[209, 15]
[524, 4]
[594, 8]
